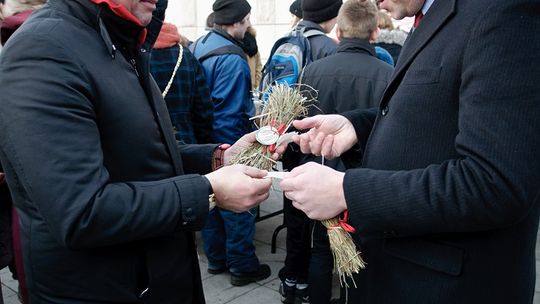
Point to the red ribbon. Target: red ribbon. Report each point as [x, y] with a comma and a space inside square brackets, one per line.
[280, 131]
[343, 223]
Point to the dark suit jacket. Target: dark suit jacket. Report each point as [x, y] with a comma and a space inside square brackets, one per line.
[106, 202]
[447, 201]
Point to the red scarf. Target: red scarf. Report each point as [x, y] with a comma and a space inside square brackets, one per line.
[168, 36]
[11, 23]
[14, 21]
[122, 12]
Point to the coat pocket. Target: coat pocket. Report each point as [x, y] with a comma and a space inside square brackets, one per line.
[435, 256]
[426, 75]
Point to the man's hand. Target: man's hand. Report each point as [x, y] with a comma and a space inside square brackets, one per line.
[329, 135]
[239, 188]
[243, 143]
[316, 190]
[2, 178]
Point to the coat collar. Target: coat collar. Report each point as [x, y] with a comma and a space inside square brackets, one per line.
[310, 25]
[432, 22]
[355, 45]
[96, 16]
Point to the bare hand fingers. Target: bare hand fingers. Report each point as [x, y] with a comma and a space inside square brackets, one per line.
[306, 123]
[304, 143]
[326, 148]
[316, 144]
[250, 137]
[254, 172]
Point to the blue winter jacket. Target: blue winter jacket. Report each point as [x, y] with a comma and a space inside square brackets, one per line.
[229, 81]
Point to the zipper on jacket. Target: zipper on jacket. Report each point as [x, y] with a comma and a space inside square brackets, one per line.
[134, 65]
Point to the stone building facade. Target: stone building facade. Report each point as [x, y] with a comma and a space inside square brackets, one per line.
[271, 19]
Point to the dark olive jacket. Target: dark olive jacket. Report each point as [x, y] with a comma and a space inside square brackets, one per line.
[108, 202]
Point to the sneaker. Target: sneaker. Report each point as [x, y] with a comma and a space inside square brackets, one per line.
[286, 290]
[301, 294]
[244, 278]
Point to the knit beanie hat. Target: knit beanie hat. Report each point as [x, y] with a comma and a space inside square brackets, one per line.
[320, 10]
[296, 8]
[228, 12]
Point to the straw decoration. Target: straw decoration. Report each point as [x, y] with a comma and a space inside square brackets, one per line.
[284, 105]
[347, 259]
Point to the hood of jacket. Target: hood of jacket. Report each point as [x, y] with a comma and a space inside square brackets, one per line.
[392, 37]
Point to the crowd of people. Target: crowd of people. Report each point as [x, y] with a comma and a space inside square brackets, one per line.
[117, 134]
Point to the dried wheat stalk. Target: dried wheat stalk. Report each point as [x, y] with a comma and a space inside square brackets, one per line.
[285, 104]
[347, 259]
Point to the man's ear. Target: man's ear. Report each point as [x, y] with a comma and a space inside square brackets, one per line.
[339, 34]
[375, 34]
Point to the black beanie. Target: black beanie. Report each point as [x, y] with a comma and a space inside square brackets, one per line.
[296, 8]
[228, 12]
[320, 10]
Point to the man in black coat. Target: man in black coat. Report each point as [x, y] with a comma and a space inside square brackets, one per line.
[446, 202]
[108, 202]
[353, 78]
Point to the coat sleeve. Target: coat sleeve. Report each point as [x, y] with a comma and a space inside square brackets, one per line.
[496, 180]
[50, 140]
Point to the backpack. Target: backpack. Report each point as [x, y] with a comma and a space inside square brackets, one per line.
[289, 55]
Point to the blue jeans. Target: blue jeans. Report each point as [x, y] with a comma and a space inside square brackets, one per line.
[228, 240]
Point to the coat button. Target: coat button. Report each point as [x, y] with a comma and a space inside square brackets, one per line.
[384, 111]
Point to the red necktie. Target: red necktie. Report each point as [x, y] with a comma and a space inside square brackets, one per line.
[417, 18]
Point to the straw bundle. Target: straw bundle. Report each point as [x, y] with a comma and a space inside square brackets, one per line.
[284, 105]
[347, 259]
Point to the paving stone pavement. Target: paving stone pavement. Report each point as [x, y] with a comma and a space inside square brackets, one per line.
[218, 289]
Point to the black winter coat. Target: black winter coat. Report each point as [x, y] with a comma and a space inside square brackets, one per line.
[353, 78]
[448, 201]
[106, 199]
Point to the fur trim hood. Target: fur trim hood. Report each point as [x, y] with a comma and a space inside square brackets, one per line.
[392, 37]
